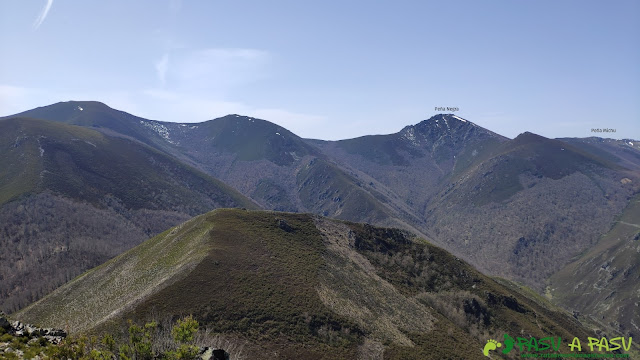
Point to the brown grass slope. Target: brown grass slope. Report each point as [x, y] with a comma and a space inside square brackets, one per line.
[301, 286]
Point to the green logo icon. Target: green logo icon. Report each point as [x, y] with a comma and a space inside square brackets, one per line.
[491, 345]
[509, 342]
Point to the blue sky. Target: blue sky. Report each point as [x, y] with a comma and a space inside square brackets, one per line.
[333, 69]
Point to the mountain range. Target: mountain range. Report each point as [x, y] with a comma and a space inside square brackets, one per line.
[82, 182]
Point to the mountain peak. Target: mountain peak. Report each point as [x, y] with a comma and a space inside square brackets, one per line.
[448, 117]
[239, 116]
[64, 111]
[83, 102]
[444, 123]
[444, 126]
[529, 137]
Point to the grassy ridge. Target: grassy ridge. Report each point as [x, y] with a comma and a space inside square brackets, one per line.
[259, 280]
[327, 190]
[300, 286]
[23, 143]
[86, 165]
[528, 154]
[19, 171]
[253, 139]
[92, 114]
[113, 286]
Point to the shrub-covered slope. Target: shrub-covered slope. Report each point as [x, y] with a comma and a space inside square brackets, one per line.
[303, 286]
[72, 197]
[530, 207]
[604, 282]
[518, 208]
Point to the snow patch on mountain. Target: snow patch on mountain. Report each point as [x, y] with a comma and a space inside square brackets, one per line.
[410, 135]
[160, 129]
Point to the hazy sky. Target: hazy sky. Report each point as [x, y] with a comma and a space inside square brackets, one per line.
[333, 69]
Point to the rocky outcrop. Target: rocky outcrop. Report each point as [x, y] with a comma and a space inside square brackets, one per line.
[208, 353]
[17, 328]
